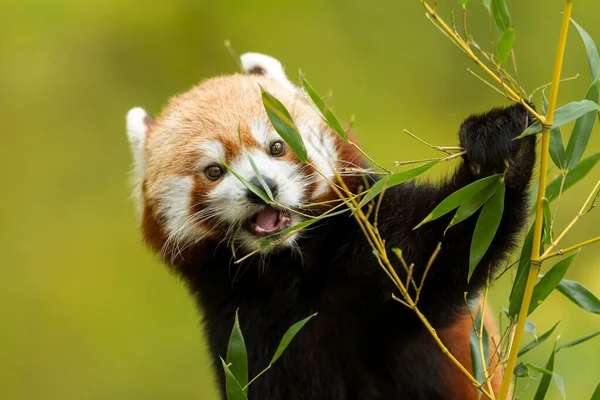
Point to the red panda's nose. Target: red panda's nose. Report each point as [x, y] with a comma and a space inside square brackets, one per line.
[272, 186]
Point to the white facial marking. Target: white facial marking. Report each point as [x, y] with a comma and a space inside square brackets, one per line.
[271, 66]
[260, 131]
[174, 208]
[263, 132]
[136, 133]
[320, 147]
[212, 151]
[230, 195]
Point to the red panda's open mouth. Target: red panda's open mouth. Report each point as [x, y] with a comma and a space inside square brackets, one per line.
[268, 221]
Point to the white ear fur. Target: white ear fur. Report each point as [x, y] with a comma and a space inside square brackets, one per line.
[136, 133]
[262, 64]
[136, 128]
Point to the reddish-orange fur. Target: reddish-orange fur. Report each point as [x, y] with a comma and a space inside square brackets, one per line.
[457, 338]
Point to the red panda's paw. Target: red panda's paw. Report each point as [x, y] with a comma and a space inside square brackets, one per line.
[489, 140]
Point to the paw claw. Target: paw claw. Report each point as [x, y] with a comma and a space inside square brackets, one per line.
[475, 169]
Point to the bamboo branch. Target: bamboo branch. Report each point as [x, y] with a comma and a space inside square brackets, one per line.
[427, 268]
[579, 215]
[535, 252]
[234, 54]
[572, 78]
[368, 157]
[450, 157]
[515, 84]
[503, 94]
[443, 149]
[467, 50]
[421, 160]
[571, 248]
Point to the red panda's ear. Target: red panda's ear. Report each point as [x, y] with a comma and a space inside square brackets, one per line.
[138, 123]
[263, 65]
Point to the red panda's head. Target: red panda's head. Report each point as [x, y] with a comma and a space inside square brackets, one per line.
[184, 190]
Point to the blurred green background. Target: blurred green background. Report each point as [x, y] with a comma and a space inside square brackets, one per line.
[86, 312]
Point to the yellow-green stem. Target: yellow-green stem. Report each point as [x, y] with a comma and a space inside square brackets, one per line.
[579, 215]
[486, 371]
[535, 252]
[571, 248]
[464, 47]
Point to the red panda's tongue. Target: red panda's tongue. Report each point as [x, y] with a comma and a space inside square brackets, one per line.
[268, 219]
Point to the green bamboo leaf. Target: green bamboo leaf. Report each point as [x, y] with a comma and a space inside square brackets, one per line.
[544, 102]
[539, 369]
[325, 111]
[563, 115]
[557, 146]
[582, 130]
[560, 384]
[505, 45]
[236, 353]
[591, 50]
[596, 395]
[547, 223]
[473, 204]
[463, 2]
[522, 371]
[476, 361]
[232, 386]
[533, 129]
[486, 227]
[253, 188]
[580, 295]
[535, 343]
[574, 176]
[501, 15]
[531, 329]
[288, 336]
[284, 125]
[579, 341]
[459, 197]
[487, 4]
[266, 188]
[518, 288]
[550, 281]
[395, 179]
[557, 378]
[540, 394]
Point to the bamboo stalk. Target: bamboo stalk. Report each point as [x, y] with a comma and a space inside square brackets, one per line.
[535, 252]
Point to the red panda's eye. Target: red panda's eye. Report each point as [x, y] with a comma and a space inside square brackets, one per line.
[277, 148]
[213, 172]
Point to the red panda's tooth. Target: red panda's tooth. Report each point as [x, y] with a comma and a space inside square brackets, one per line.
[259, 230]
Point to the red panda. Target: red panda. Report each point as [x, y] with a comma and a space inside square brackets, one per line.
[199, 216]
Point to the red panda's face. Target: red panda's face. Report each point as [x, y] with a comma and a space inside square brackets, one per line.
[187, 160]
